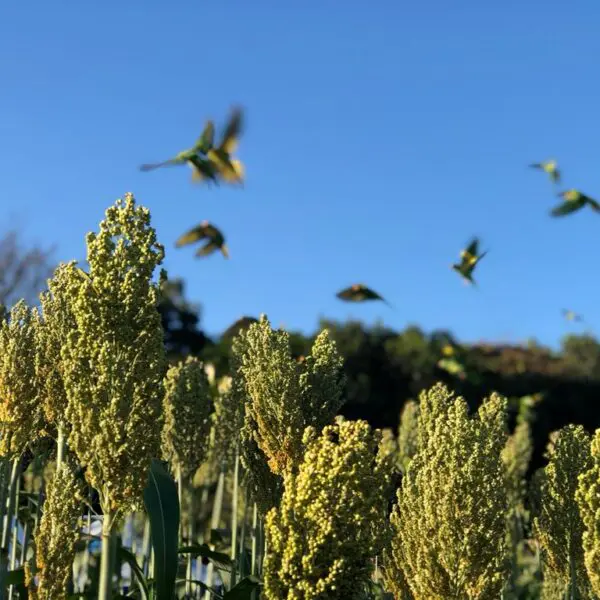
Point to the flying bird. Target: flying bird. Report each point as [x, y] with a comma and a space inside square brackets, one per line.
[202, 146]
[231, 170]
[574, 200]
[204, 231]
[469, 260]
[550, 167]
[360, 293]
[571, 315]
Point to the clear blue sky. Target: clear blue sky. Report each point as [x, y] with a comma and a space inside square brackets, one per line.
[379, 138]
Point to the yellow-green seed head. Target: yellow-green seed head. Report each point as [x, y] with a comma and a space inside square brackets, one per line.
[187, 406]
[57, 534]
[588, 501]
[52, 329]
[408, 442]
[332, 517]
[449, 523]
[114, 360]
[284, 396]
[21, 418]
[559, 527]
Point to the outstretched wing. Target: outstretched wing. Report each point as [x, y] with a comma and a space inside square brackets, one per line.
[194, 235]
[207, 249]
[207, 138]
[232, 132]
[472, 247]
[593, 204]
[566, 208]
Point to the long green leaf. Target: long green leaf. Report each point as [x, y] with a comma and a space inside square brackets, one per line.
[126, 556]
[244, 589]
[162, 506]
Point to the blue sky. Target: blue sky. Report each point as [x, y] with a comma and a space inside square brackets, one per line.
[378, 141]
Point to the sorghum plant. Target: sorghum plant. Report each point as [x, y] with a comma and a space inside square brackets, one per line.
[449, 523]
[559, 526]
[332, 516]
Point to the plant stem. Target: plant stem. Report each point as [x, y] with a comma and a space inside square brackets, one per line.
[11, 502]
[242, 547]
[214, 524]
[179, 477]
[60, 447]
[15, 536]
[106, 570]
[234, 518]
[191, 540]
[254, 539]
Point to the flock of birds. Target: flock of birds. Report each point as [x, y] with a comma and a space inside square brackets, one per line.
[212, 162]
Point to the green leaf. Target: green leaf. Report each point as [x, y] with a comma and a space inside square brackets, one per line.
[126, 556]
[162, 506]
[244, 589]
[219, 558]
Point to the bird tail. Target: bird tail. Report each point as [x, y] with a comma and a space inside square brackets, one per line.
[225, 251]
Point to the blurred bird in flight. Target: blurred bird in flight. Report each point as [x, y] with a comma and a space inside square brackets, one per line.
[216, 240]
[469, 260]
[550, 167]
[207, 161]
[572, 316]
[360, 293]
[574, 200]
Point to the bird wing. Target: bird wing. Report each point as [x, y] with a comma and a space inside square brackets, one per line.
[593, 204]
[345, 294]
[207, 138]
[472, 247]
[193, 235]
[207, 249]
[372, 294]
[480, 257]
[566, 208]
[232, 131]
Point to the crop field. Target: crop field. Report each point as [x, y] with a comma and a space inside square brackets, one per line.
[392, 166]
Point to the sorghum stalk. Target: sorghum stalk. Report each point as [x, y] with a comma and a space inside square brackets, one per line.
[114, 363]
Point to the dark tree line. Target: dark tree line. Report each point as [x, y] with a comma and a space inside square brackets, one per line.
[385, 368]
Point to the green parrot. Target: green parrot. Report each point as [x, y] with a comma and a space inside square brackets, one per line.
[550, 167]
[231, 170]
[201, 232]
[360, 293]
[571, 315]
[574, 200]
[469, 260]
[202, 146]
